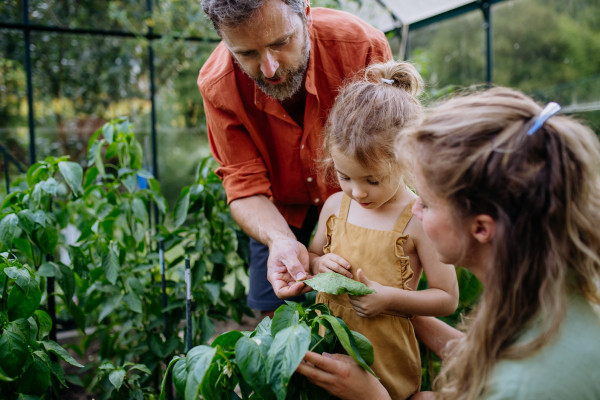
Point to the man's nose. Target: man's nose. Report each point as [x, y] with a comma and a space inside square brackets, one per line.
[268, 65]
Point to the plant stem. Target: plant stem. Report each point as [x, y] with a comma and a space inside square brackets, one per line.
[316, 344]
[4, 295]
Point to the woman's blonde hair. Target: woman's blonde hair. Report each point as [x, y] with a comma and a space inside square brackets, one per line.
[543, 191]
[369, 114]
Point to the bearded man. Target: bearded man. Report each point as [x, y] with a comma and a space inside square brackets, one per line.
[267, 91]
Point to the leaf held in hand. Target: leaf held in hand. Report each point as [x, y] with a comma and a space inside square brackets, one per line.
[334, 283]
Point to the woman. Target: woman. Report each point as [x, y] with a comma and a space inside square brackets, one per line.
[512, 194]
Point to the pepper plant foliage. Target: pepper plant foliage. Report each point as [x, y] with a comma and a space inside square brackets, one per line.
[263, 362]
[110, 280]
[25, 364]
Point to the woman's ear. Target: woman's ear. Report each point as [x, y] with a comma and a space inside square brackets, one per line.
[483, 228]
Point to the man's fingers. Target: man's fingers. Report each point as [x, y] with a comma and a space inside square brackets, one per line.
[295, 269]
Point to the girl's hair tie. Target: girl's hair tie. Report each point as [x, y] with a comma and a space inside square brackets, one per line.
[548, 111]
[388, 81]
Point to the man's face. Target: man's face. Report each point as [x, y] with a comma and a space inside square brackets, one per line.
[272, 48]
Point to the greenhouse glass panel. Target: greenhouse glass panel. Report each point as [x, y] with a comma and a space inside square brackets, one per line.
[11, 11]
[550, 49]
[80, 82]
[450, 54]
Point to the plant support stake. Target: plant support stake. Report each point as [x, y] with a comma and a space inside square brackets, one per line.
[161, 255]
[188, 303]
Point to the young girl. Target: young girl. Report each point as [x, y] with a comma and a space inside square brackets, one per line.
[511, 192]
[366, 232]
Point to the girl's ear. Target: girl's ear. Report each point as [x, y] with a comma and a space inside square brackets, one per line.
[483, 228]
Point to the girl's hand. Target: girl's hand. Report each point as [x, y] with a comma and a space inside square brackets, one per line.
[369, 305]
[342, 377]
[330, 263]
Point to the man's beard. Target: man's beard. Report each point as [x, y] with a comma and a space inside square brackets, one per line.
[293, 76]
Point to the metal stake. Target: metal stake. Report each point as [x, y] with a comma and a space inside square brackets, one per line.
[161, 254]
[6, 173]
[188, 302]
[27, 36]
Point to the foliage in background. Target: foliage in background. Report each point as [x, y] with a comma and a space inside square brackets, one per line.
[263, 362]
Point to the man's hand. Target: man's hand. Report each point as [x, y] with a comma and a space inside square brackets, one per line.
[373, 304]
[341, 377]
[287, 266]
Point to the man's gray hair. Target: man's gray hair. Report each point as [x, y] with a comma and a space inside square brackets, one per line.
[224, 13]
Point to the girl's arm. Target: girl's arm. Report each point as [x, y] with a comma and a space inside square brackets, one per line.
[435, 334]
[319, 261]
[439, 300]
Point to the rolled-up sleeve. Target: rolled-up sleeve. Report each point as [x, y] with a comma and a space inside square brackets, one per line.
[242, 169]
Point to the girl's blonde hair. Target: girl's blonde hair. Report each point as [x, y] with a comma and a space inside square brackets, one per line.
[543, 191]
[369, 114]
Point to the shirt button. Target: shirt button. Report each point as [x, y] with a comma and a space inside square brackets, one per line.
[317, 200]
[309, 179]
[302, 147]
[284, 116]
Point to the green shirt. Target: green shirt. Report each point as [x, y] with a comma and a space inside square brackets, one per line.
[568, 367]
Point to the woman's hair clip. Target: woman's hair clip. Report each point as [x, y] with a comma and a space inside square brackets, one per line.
[388, 81]
[548, 111]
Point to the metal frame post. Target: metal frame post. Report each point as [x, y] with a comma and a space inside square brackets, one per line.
[153, 109]
[486, 8]
[27, 36]
[6, 173]
[188, 303]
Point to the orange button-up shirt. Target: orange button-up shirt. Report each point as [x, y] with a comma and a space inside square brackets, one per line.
[260, 148]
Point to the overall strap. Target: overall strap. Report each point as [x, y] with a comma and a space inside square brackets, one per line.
[344, 208]
[404, 218]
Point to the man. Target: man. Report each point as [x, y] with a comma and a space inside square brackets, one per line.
[267, 90]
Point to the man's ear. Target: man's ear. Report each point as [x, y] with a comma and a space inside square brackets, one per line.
[309, 19]
[483, 228]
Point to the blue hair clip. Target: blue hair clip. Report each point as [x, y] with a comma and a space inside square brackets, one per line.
[548, 111]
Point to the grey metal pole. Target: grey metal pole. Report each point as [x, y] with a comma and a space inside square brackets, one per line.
[27, 36]
[486, 7]
[6, 173]
[188, 302]
[153, 109]
[161, 254]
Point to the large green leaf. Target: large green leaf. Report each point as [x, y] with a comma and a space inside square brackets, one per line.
[181, 207]
[116, 377]
[44, 322]
[365, 348]
[58, 372]
[55, 348]
[24, 246]
[287, 351]
[198, 361]
[65, 279]
[13, 353]
[21, 276]
[346, 338]
[26, 220]
[180, 376]
[21, 304]
[47, 238]
[165, 378]
[469, 286]
[73, 174]
[110, 265]
[264, 327]
[227, 340]
[251, 358]
[334, 283]
[133, 301]
[109, 306]
[36, 379]
[285, 316]
[78, 316]
[8, 225]
[21, 327]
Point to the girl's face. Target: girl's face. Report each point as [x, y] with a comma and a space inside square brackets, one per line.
[439, 223]
[371, 189]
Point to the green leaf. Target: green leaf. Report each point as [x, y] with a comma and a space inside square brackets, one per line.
[136, 285]
[164, 382]
[40, 218]
[58, 372]
[133, 301]
[227, 340]
[21, 304]
[21, 327]
[334, 283]
[35, 197]
[21, 276]
[180, 376]
[44, 322]
[9, 198]
[285, 316]
[264, 328]
[33, 329]
[212, 290]
[207, 328]
[78, 316]
[46, 269]
[26, 220]
[198, 360]
[49, 186]
[13, 353]
[109, 306]
[347, 340]
[55, 348]
[251, 358]
[116, 377]
[4, 377]
[141, 367]
[36, 378]
[469, 286]
[181, 207]
[66, 280]
[24, 246]
[287, 351]
[110, 265]
[365, 348]
[8, 225]
[47, 238]
[108, 131]
[22, 396]
[73, 174]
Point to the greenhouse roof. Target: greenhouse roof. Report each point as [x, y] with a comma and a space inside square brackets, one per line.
[386, 15]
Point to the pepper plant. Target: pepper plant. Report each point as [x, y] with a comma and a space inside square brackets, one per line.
[263, 362]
